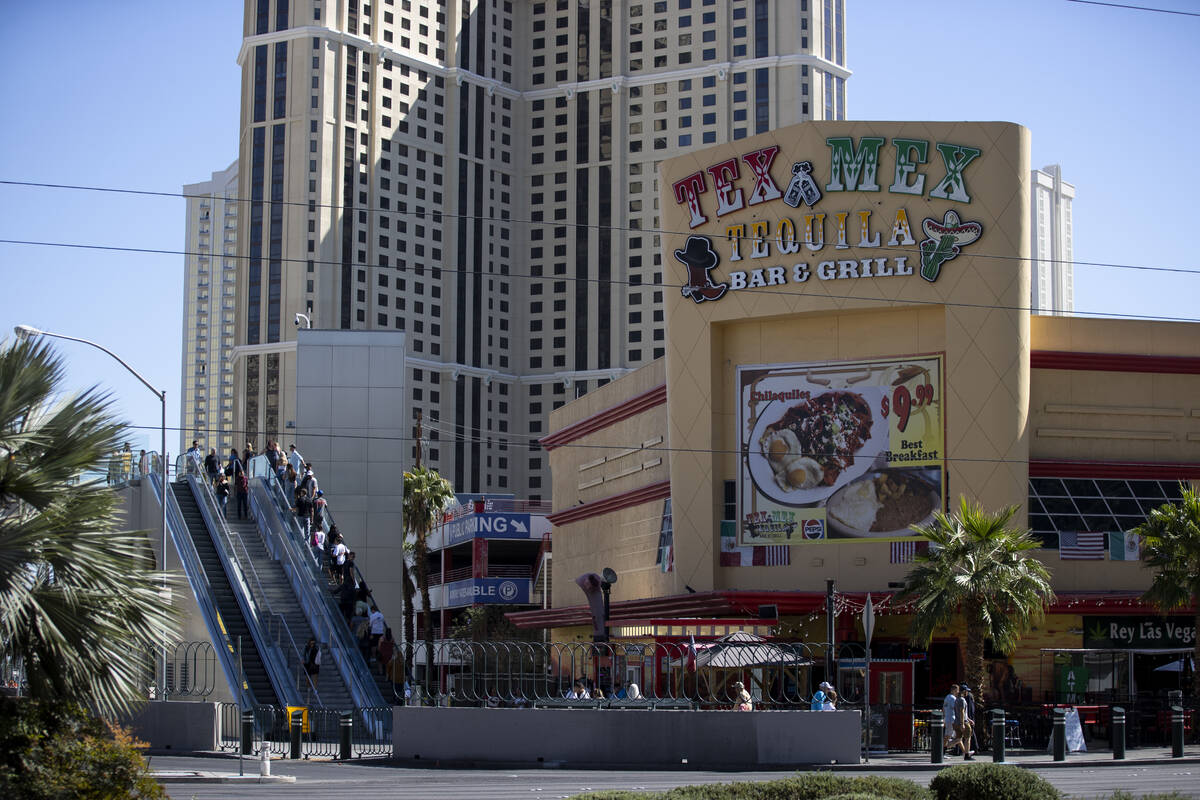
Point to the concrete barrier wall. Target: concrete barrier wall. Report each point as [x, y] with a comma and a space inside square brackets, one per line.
[633, 737]
[187, 726]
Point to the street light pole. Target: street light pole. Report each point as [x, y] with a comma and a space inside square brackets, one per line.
[25, 332]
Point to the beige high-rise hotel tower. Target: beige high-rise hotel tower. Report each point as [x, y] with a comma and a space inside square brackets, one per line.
[482, 176]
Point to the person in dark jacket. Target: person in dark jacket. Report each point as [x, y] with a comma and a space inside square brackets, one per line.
[970, 696]
[212, 465]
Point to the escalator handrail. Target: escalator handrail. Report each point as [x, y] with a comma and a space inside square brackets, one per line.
[327, 618]
[257, 618]
[201, 587]
[285, 540]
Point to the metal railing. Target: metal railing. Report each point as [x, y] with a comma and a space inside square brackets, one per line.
[191, 669]
[280, 653]
[197, 578]
[302, 565]
[777, 675]
[371, 731]
[498, 505]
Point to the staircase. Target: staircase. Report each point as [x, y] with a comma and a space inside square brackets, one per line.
[231, 618]
[331, 689]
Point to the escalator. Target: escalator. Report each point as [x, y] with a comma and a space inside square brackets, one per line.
[231, 618]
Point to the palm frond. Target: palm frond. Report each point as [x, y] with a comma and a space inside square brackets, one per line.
[79, 600]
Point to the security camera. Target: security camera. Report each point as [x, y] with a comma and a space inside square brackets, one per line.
[297, 320]
[302, 318]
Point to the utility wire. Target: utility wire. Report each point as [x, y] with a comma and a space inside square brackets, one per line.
[628, 283]
[1136, 8]
[579, 446]
[438, 216]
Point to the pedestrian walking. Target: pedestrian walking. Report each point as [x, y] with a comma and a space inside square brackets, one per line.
[302, 508]
[212, 466]
[963, 724]
[241, 488]
[295, 460]
[222, 492]
[948, 704]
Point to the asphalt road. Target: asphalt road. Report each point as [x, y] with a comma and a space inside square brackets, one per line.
[324, 780]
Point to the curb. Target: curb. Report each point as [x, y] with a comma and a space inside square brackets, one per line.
[909, 766]
[218, 777]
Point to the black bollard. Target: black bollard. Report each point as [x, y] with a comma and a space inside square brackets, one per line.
[1118, 733]
[247, 733]
[297, 729]
[347, 726]
[1176, 732]
[937, 737]
[1058, 735]
[998, 735]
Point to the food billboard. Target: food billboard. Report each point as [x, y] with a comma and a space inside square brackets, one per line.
[840, 450]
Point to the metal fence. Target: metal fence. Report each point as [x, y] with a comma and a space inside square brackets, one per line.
[191, 669]
[709, 674]
[320, 735]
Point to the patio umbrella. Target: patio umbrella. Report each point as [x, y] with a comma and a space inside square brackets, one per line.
[1176, 666]
[740, 649]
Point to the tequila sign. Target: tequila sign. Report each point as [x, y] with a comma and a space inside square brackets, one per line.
[773, 252]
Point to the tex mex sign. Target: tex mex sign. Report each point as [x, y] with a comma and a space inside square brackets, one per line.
[804, 244]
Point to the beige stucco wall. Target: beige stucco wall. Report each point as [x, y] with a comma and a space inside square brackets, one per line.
[1115, 416]
[611, 461]
[998, 413]
[972, 312]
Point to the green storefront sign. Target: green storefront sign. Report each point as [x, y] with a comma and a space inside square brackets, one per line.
[1139, 632]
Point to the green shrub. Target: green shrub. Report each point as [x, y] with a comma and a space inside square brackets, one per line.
[805, 786]
[53, 750]
[993, 781]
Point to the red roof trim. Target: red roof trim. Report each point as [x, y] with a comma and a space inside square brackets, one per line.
[1114, 362]
[703, 606]
[609, 416]
[1143, 470]
[606, 505]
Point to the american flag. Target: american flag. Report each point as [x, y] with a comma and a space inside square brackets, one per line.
[904, 552]
[772, 556]
[1082, 546]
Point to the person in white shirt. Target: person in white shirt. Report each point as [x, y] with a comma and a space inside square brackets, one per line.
[339, 559]
[948, 704]
[579, 692]
[377, 625]
[195, 457]
[295, 460]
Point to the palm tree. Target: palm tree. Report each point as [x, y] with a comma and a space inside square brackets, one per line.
[981, 568]
[408, 590]
[80, 603]
[1171, 547]
[426, 494]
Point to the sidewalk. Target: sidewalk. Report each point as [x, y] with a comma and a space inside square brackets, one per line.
[206, 776]
[1099, 757]
[249, 771]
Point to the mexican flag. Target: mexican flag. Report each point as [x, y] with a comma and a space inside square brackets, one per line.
[1124, 546]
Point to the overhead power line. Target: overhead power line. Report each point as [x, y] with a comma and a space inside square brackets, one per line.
[438, 215]
[567, 446]
[636, 285]
[1137, 8]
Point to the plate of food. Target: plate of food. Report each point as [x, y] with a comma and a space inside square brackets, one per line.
[883, 503]
[803, 448]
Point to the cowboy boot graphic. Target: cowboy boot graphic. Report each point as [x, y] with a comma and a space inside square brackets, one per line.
[699, 258]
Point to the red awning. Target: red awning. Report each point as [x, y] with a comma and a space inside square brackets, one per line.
[723, 604]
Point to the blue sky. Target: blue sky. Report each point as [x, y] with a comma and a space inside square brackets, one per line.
[143, 95]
